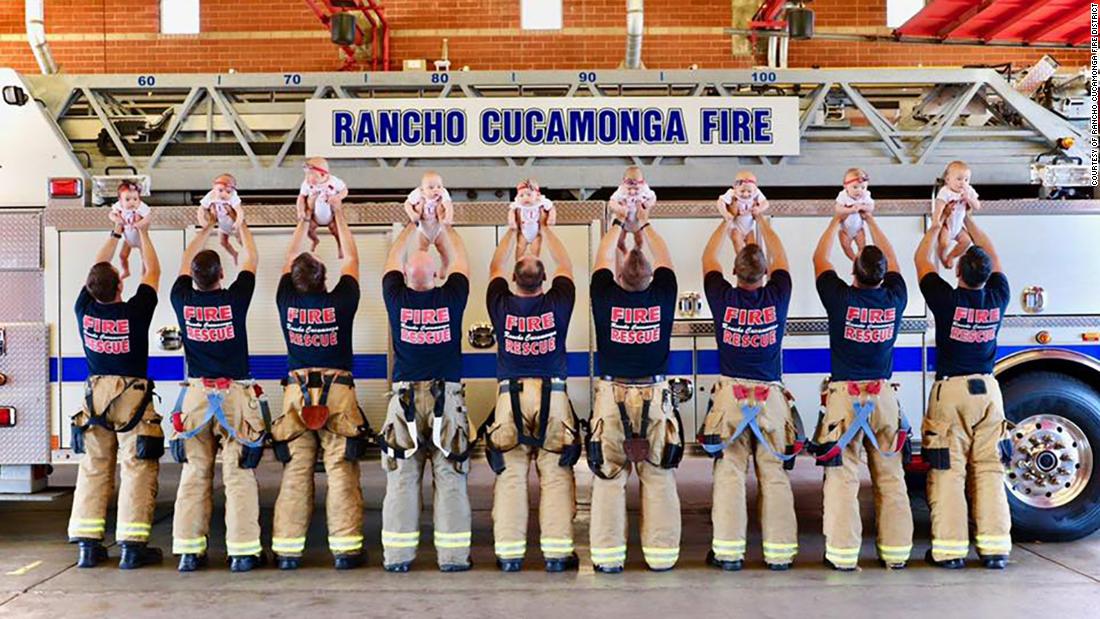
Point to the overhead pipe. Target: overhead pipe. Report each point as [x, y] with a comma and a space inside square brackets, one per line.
[35, 21]
[635, 21]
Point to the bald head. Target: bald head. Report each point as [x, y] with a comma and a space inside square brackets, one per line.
[420, 270]
[529, 275]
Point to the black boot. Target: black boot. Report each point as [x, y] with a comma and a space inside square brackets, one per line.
[456, 567]
[995, 562]
[192, 562]
[729, 566]
[829, 564]
[562, 564]
[608, 569]
[348, 561]
[947, 564]
[510, 565]
[138, 555]
[245, 563]
[779, 567]
[90, 553]
[398, 568]
[288, 563]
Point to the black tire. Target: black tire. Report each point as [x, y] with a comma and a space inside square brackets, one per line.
[1057, 394]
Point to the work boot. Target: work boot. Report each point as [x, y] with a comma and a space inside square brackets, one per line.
[779, 567]
[729, 566]
[90, 553]
[398, 568]
[138, 555]
[456, 567]
[348, 561]
[192, 562]
[510, 565]
[947, 564]
[285, 562]
[245, 563]
[995, 562]
[829, 564]
[609, 569]
[562, 564]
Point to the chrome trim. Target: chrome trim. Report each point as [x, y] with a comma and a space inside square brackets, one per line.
[702, 327]
[1028, 356]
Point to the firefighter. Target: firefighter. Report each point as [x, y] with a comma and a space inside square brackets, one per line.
[635, 423]
[218, 405]
[533, 418]
[750, 416]
[118, 422]
[861, 406]
[426, 420]
[320, 410]
[965, 423]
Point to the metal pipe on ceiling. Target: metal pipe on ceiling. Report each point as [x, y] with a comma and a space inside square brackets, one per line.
[635, 22]
[35, 21]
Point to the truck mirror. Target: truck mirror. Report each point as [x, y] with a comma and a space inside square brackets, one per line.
[14, 95]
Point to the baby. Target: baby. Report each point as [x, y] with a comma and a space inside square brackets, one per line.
[854, 199]
[430, 206]
[320, 192]
[224, 205]
[953, 200]
[632, 193]
[741, 202]
[526, 213]
[126, 212]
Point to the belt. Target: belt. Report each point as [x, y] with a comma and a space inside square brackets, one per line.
[638, 380]
[556, 384]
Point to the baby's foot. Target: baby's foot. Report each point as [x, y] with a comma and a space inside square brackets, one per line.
[124, 272]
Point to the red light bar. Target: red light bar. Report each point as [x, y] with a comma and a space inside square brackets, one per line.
[66, 187]
[7, 416]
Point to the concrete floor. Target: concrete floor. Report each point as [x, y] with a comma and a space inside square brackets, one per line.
[38, 577]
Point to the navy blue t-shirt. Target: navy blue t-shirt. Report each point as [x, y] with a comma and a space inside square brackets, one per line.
[749, 324]
[633, 329]
[426, 327]
[967, 322]
[531, 331]
[116, 335]
[863, 325]
[317, 325]
[213, 326]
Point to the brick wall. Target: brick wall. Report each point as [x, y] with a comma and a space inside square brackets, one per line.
[117, 36]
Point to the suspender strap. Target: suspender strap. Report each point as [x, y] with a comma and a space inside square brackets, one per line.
[750, 420]
[863, 410]
[326, 385]
[628, 428]
[214, 399]
[439, 394]
[96, 419]
[515, 387]
[407, 399]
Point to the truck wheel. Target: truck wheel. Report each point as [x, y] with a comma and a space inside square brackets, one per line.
[1052, 480]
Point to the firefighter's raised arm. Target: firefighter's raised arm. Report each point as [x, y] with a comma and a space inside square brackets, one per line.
[822, 263]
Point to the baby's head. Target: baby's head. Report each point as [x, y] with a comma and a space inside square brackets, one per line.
[856, 182]
[744, 185]
[527, 192]
[633, 180]
[957, 176]
[431, 185]
[316, 170]
[224, 187]
[129, 195]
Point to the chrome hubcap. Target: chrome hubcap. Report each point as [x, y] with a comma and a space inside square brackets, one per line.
[1051, 461]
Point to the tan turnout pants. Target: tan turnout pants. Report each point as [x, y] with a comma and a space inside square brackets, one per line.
[660, 513]
[965, 421]
[842, 525]
[344, 501]
[557, 487]
[451, 502]
[776, 501]
[95, 482]
[194, 499]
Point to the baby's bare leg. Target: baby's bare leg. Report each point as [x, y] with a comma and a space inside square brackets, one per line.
[124, 260]
[943, 243]
[521, 245]
[445, 266]
[311, 232]
[750, 238]
[962, 243]
[336, 235]
[228, 246]
[846, 245]
[536, 246]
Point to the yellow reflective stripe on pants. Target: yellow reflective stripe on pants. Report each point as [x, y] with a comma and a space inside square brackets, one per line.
[240, 549]
[78, 527]
[393, 539]
[346, 544]
[842, 557]
[896, 554]
[556, 545]
[284, 545]
[660, 557]
[609, 556]
[510, 550]
[950, 548]
[133, 529]
[728, 549]
[780, 552]
[994, 544]
[189, 546]
[452, 540]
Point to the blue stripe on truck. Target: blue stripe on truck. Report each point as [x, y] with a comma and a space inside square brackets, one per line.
[483, 364]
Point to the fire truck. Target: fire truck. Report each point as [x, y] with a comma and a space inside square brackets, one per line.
[69, 139]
